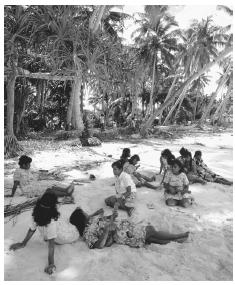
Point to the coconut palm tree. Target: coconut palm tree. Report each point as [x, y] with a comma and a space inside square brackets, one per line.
[156, 42]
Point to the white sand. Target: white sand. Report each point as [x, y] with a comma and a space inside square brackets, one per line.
[207, 255]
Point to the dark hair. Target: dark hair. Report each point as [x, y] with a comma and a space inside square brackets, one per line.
[118, 164]
[169, 156]
[178, 162]
[183, 151]
[135, 156]
[24, 159]
[125, 153]
[166, 152]
[45, 209]
[197, 153]
[79, 220]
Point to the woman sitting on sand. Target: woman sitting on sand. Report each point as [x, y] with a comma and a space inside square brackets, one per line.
[100, 231]
[29, 185]
[139, 179]
[189, 167]
[125, 189]
[205, 173]
[176, 186]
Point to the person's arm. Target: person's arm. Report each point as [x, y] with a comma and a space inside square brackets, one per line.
[194, 167]
[170, 189]
[16, 184]
[24, 242]
[98, 212]
[101, 242]
[51, 248]
[128, 192]
[185, 190]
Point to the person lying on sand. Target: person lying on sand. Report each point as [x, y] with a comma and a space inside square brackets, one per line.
[139, 179]
[176, 186]
[189, 166]
[102, 231]
[29, 185]
[205, 173]
[125, 189]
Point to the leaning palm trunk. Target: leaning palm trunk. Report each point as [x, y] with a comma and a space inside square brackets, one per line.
[169, 94]
[179, 100]
[214, 95]
[223, 104]
[149, 111]
[146, 125]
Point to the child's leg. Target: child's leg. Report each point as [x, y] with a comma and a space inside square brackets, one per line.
[63, 191]
[150, 185]
[195, 179]
[153, 236]
[222, 180]
[172, 202]
[185, 202]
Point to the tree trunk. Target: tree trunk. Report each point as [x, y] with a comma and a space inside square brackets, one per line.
[145, 126]
[223, 103]
[213, 97]
[195, 107]
[74, 114]
[149, 110]
[10, 103]
[180, 99]
[11, 145]
[70, 109]
[168, 95]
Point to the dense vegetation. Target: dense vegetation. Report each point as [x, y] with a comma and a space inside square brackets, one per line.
[53, 55]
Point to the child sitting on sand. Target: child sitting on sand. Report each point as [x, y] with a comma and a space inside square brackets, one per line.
[205, 173]
[126, 153]
[139, 179]
[166, 159]
[176, 186]
[53, 229]
[125, 190]
[189, 166]
[166, 155]
[28, 183]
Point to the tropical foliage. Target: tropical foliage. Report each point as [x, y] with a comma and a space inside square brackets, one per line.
[55, 55]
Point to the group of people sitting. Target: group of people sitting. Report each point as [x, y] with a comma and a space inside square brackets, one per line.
[99, 230]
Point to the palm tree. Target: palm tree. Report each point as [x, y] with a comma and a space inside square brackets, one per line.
[186, 84]
[156, 42]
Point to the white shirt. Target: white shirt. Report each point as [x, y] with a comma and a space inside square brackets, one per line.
[61, 230]
[122, 182]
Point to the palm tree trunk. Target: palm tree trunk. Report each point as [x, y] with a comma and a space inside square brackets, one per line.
[195, 106]
[180, 99]
[145, 126]
[223, 103]
[149, 111]
[168, 95]
[213, 97]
